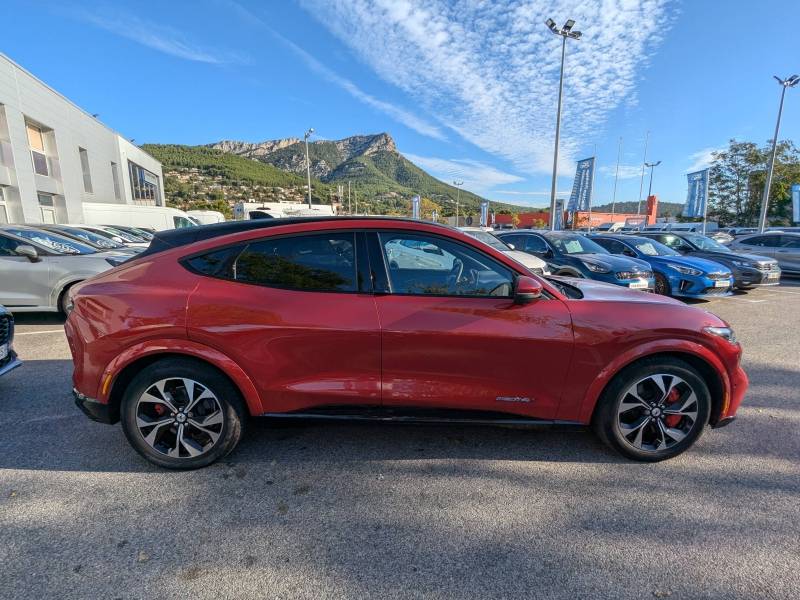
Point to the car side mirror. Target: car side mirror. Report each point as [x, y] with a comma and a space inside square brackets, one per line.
[526, 290]
[29, 252]
[548, 253]
[630, 253]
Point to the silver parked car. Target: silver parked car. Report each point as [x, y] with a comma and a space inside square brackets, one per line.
[782, 246]
[121, 237]
[98, 242]
[38, 267]
[532, 263]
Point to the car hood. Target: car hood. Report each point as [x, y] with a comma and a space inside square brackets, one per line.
[737, 256]
[597, 290]
[709, 266]
[526, 260]
[614, 262]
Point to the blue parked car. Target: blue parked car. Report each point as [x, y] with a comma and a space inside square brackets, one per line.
[676, 274]
[575, 255]
[8, 358]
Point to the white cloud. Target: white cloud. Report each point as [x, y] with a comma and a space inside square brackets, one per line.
[702, 159]
[489, 70]
[395, 112]
[159, 37]
[477, 176]
[625, 171]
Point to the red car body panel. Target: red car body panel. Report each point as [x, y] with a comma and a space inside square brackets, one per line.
[291, 350]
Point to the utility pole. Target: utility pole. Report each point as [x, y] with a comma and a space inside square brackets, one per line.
[564, 32]
[308, 165]
[641, 185]
[458, 191]
[762, 219]
[348, 199]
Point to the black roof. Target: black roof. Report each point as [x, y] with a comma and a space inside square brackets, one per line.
[175, 238]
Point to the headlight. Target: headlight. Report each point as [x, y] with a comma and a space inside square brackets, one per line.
[726, 333]
[115, 261]
[685, 270]
[595, 267]
[742, 263]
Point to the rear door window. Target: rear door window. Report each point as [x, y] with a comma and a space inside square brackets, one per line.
[789, 241]
[767, 241]
[321, 263]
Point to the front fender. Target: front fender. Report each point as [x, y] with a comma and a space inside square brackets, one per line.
[656, 347]
[187, 348]
[65, 282]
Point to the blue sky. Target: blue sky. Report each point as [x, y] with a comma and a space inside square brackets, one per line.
[467, 89]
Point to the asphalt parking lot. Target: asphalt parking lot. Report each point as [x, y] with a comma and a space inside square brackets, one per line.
[374, 511]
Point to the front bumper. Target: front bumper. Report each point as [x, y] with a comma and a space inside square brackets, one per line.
[757, 278]
[698, 286]
[92, 408]
[10, 364]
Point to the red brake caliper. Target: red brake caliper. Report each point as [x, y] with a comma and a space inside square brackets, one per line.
[672, 420]
[160, 410]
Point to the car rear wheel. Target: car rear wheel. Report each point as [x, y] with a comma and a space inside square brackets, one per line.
[662, 285]
[179, 413]
[653, 410]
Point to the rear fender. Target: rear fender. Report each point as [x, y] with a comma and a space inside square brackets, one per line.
[186, 348]
[656, 347]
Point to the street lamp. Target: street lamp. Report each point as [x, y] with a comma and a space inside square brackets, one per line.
[762, 219]
[458, 191]
[565, 32]
[308, 166]
[652, 168]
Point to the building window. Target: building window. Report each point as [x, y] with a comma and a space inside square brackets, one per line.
[48, 208]
[36, 143]
[115, 177]
[3, 209]
[144, 185]
[87, 176]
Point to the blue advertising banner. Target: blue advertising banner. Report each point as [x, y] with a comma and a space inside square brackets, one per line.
[796, 203]
[582, 188]
[559, 218]
[415, 207]
[484, 214]
[696, 197]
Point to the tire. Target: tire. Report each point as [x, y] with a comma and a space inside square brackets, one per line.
[661, 285]
[158, 394]
[640, 431]
[64, 304]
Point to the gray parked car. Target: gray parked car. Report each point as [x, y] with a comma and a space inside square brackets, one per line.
[782, 246]
[38, 267]
[98, 242]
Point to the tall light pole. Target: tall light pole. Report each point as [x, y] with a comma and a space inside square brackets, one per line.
[762, 219]
[308, 166]
[565, 32]
[458, 191]
[616, 177]
[641, 185]
[652, 168]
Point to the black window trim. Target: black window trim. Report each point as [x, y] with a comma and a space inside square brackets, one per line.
[514, 273]
[241, 246]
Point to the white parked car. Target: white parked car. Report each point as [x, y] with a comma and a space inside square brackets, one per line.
[532, 263]
[38, 267]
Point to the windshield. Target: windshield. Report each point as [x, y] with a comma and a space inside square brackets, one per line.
[128, 237]
[575, 244]
[705, 243]
[51, 241]
[653, 248]
[489, 239]
[97, 240]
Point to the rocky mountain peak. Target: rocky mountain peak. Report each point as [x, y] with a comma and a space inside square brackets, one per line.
[253, 149]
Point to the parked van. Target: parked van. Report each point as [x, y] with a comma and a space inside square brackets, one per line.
[207, 217]
[609, 227]
[158, 218]
[278, 210]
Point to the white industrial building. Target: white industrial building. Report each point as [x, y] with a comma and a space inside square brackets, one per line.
[54, 156]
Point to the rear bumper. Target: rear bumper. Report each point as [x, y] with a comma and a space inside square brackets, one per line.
[92, 408]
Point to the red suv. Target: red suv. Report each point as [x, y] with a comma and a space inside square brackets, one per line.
[383, 319]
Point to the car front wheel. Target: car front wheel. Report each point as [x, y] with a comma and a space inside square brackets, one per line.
[181, 414]
[661, 285]
[653, 410]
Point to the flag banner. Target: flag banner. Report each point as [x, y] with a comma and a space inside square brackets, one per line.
[435, 215]
[484, 214]
[582, 188]
[559, 216]
[696, 197]
[796, 203]
[415, 207]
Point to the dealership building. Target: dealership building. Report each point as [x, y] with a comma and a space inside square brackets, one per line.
[54, 156]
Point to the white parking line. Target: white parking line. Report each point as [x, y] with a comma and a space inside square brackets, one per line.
[785, 292]
[40, 332]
